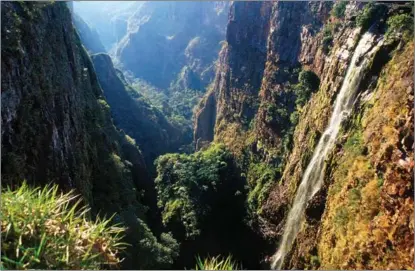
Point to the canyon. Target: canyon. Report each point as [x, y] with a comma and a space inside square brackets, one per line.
[277, 134]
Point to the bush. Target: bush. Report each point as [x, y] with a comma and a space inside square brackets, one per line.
[277, 115]
[189, 186]
[216, 263]
[371, 12]
[294, 117]
[327, 41]
[402, 23]
[341, 217]
[308, 83]
[309, 80]
[44, 229]
[315, 261]
[354, 143]
[260, 179]
[339, 9]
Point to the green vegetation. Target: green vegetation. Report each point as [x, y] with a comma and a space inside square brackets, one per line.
[339, 9]
[278, 115]
[371, 12]
[355, 196]
[403, 24]
[175, 103]
[354, 144]
[203, 201]
[315, 261]
[341, 216]
[308, 83]
[150, 252]
[100, 161]
[46, 229]
[260, 177]
[282, 116]
[189, 186]
[327, 41]
[309, 80]
[216, 263]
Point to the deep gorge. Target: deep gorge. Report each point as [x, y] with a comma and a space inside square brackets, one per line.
[279, 134]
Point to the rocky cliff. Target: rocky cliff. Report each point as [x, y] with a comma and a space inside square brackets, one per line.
[173, 43]
[89, 36]
[272, 99]
[144, 123]
[57, 127]
[109, 18]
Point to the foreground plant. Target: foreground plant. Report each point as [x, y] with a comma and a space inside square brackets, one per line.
[216, 263]
[46, 229]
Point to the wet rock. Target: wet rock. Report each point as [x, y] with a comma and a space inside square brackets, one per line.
[315, 207]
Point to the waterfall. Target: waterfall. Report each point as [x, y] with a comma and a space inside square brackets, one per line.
[312, 179]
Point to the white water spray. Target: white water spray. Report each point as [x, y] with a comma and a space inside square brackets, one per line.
[313, 177]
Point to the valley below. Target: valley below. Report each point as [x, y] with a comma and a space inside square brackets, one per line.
[207, 135]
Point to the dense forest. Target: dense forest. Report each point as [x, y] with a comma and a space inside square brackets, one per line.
[207, 135]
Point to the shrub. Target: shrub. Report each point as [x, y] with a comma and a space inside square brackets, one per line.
[402, 23]
[327, 41]
[339, 9]
[341, 217]
[354, 144]
[260, 178]
[315, 261]
[309, 80]
[308, 83]
[189, 186]
[371, 12]
[216, 263]
[45, 229]
[294, 117]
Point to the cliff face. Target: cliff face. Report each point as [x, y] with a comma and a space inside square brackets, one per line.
[232, 101]
[366, 178]
[109, 18]
[56, 123]
[53, 109]
[89, 37]
[145, 124]
[173, 43]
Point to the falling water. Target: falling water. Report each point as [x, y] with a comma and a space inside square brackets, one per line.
[313, 176]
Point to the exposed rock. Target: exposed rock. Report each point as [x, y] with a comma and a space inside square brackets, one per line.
[315, 207]
[165, 37]
[144, 123]
[236, 84]
[109, 19]
[205, 121]
[89, 37]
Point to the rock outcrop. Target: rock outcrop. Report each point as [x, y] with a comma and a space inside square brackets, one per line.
[233, 98]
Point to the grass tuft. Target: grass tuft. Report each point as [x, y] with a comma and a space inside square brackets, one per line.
[47, 229]
[216, 263]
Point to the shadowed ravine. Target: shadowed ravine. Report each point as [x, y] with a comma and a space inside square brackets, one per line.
[313, 176]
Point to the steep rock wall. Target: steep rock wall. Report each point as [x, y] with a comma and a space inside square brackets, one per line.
[236, 84]
[307, 36]
[150, 129]
[57, 127]
[89, 36]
